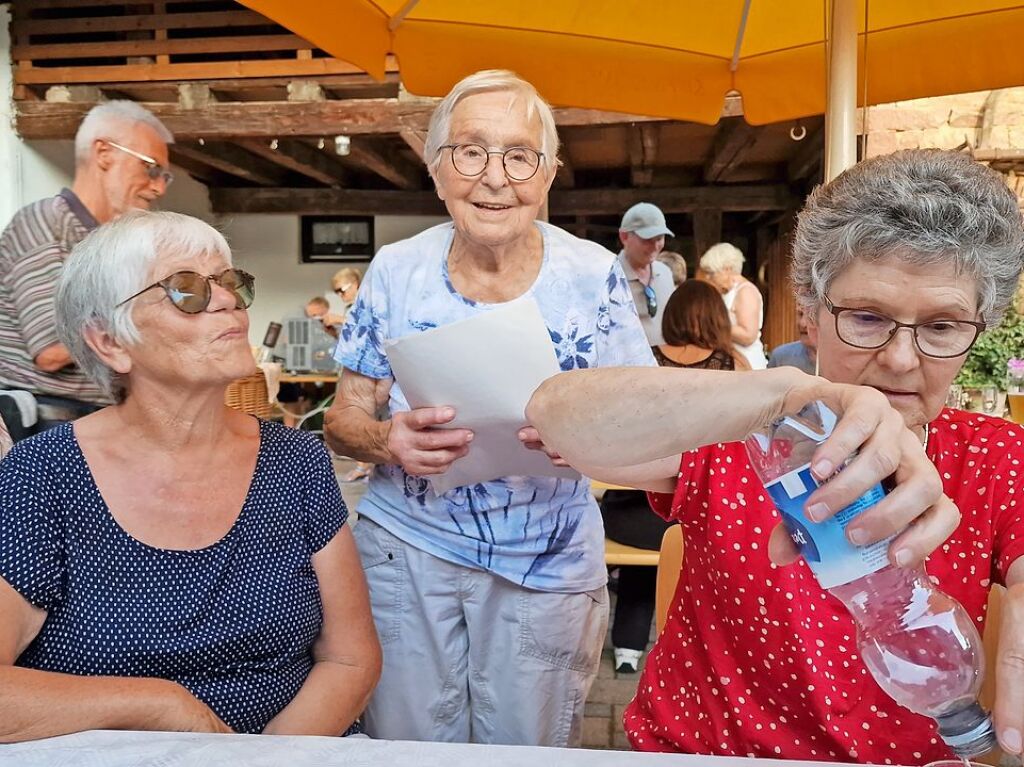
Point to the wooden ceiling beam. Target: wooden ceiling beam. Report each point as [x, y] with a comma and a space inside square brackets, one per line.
[299, 157]
[233, 160]
[734, 139]
[392, 168]
[570, 202]
[808, 161]
[277, 119]
[416, 139]
[643, 153]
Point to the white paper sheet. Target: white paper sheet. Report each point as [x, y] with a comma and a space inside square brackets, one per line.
[486, 367]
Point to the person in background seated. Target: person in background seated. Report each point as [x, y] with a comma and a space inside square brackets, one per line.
[168, 563]
[5, 439]
[800, 354]
[319, 308]
[899, 262]
[345, 285]
[722, 266]
[676, 264]
[120, 164]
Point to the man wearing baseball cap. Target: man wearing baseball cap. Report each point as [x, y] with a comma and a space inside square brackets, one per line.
[642, 234]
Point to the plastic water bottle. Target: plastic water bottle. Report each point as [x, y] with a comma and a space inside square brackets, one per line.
[918, 643]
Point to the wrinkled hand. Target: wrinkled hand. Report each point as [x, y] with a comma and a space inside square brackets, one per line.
[184, 712]
[530, 437]
[1008, 712]
[886, 449]
[420, 448]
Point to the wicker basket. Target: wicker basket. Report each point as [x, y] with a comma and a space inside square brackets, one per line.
[249, 395]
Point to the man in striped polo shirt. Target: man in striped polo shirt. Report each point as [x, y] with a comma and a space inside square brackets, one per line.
[120, 164]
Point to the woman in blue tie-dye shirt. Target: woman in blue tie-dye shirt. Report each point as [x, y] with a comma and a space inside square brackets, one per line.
[490, 599]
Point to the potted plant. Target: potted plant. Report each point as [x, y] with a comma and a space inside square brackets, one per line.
[987, 362]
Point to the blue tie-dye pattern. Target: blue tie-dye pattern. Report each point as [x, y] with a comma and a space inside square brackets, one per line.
[542, 532]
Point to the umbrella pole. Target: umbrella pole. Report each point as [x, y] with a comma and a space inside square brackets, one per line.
[841, 105]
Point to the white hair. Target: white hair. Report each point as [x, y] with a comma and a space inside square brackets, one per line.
[488, 81]
[112, 263]
[114, 120]
[722, 256]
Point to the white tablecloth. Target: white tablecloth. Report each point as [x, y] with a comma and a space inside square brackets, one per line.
[164, 749]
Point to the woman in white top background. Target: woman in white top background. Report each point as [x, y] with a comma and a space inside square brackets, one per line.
[722, 265]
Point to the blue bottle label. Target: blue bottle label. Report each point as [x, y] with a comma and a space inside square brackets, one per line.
[824, 545]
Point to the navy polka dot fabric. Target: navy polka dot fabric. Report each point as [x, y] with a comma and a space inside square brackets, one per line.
[234, 623]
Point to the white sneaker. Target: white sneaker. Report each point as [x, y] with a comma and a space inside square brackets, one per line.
[627, 661]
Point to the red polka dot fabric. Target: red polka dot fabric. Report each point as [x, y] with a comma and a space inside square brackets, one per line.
[758, 660]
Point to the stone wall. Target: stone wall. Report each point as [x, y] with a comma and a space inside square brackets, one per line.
[986, 123]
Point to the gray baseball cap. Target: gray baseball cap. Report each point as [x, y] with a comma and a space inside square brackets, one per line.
[646, 220]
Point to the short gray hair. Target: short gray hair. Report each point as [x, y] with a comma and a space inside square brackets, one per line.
[924, 206]
[487, 81]
[112, 263]
[114, 120]
[724, 255]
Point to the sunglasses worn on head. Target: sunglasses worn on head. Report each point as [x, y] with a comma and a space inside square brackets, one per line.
[652, 300]
[190, 292]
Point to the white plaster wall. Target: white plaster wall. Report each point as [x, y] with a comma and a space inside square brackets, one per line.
[268, 247]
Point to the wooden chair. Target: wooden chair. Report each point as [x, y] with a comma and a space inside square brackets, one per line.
[991, 641]
[670, 562]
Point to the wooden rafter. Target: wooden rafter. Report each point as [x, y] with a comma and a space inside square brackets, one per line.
[391, 167]
[574, 202]
[416, 140]
[233, 160]
[734, 139]
[230, 120]
[299, 157]
[643, 152]
[809, 159]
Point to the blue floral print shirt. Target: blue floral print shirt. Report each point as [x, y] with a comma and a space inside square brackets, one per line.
[540, 532]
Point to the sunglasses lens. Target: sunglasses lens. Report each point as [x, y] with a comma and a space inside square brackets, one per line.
[242, 284]
[188, 291]
[652, 300]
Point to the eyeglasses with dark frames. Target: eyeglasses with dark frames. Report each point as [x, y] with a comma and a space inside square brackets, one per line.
[154, 170]
[519, 162]
[941, 339]
[190, 292]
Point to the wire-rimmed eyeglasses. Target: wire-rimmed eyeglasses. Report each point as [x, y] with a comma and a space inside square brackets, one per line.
[154, 170]
[190, 292]
[520, 162]
[866, 329]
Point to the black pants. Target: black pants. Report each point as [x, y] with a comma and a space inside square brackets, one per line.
[628, 519]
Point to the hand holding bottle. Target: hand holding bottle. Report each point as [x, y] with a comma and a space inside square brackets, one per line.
[883, 447]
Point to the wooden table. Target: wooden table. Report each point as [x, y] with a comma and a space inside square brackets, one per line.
[124, 749]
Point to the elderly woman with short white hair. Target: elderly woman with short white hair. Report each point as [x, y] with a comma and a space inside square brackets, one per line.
[168, 563]
[490, 600]
[722, 265]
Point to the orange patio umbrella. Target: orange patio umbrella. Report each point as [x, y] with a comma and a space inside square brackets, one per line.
[672, 58]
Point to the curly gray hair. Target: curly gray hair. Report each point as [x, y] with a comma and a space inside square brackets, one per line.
[112, 263]
[925, 206]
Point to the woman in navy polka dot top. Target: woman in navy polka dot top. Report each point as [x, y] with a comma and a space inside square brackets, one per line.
[168, 563]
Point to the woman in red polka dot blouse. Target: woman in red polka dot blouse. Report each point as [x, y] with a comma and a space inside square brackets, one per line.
[900, 262]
